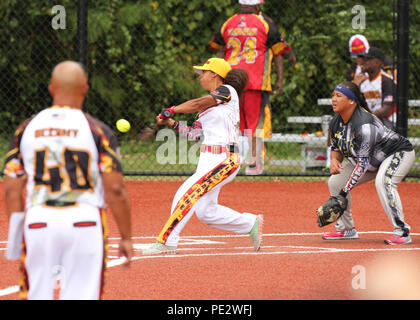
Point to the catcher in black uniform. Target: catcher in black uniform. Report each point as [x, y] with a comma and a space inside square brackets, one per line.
[373, 152]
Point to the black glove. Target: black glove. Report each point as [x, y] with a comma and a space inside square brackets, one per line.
[331, 210]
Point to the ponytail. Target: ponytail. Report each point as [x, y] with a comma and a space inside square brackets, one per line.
[238, 79]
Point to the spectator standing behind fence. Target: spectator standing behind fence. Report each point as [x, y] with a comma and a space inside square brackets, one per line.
[68, 160]
[373, 152]
[250, 40]
[358, 47]
[377, 87]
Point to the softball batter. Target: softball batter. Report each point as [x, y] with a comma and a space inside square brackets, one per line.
[68, 161]
[217, 121]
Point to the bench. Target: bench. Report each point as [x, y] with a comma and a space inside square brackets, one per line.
[307, 142]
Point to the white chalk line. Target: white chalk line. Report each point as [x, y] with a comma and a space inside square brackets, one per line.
[312, 250]
[267, 235]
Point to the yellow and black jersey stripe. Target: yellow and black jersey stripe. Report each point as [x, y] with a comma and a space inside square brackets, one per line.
[13, 164]
[221, 94]
[107, 144]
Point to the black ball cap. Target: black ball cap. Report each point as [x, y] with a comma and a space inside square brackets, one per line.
[374, 53]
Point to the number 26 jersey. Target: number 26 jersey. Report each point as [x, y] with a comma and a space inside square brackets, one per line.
[63, 152]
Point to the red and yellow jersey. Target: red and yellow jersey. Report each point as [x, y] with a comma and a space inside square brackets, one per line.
[62, 152]
[250, 41]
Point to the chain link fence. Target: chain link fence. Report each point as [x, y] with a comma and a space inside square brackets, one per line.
[140, 56]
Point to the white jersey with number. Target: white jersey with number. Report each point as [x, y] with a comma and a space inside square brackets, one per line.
[220, 123]
[378, 91]
[63, 151]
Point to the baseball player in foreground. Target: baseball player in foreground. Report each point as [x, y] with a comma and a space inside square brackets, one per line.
[217, 121]
[67, 160]
[373, 152]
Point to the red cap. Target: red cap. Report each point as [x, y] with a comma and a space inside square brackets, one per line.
[358, 45]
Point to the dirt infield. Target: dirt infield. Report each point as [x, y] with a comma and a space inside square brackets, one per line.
[294, 263]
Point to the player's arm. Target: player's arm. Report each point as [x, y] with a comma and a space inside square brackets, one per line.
[364, 140]
[14, 183]
[118, 201]
[290, 56]
[221, 53]
[13, 190]
[217, 43]
[216, 97]
[356, 175]
[387, 99]
[336, 158]
[278, 64]
[196, 105]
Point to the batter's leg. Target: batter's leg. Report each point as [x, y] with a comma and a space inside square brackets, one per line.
[215, 215]
[207, 177]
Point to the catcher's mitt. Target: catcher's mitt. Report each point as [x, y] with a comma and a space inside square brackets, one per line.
[331, 210]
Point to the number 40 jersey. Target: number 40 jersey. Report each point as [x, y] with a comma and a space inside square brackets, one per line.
[63, 151]
[250, 41]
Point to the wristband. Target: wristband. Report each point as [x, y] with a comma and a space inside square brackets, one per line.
[175, 125]
[343, 193]
[172, 110]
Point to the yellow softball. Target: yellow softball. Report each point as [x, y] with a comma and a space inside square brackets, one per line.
[123, 125]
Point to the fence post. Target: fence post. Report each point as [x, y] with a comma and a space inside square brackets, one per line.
[402, 66]
[82, 9]
[82, 32]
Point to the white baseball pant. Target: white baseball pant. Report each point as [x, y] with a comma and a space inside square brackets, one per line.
[200, 193]
[65, 244]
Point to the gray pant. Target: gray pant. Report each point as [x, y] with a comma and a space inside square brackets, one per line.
[391, 172]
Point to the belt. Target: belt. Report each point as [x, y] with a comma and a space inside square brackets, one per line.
[216, 149]
[57, 203]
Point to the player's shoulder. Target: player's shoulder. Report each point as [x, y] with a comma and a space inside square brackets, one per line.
[222, 93]
[229, 20]
[25, 124]
[267, 18]
[361, 117]
[335, 121]
[97, 126]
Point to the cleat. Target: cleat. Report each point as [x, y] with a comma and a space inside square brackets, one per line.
[254, 170]
[256, 232]
[341, 235]
[396, 239]
[159, 248]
